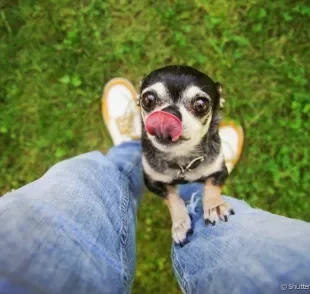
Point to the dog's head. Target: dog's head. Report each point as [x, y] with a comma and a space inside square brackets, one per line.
[177, 106]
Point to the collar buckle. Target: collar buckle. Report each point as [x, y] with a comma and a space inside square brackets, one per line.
[192, 165]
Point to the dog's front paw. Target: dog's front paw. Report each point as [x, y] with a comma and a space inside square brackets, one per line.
[181, 228]
[213, 215]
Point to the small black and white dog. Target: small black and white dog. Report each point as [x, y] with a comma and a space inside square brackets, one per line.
[180, 142]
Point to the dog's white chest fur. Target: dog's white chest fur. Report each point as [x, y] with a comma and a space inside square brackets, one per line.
[203, 170]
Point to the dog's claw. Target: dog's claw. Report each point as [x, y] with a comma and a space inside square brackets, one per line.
[190, 232]
[182, 244]
[216, 214]
[207, 222]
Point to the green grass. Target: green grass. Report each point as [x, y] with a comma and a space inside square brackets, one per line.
[55, 57]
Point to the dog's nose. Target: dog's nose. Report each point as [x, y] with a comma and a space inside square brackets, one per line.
[174, 111]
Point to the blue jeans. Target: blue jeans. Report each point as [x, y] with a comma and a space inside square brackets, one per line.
[73, 231]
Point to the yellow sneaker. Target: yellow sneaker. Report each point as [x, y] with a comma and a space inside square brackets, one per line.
[120, 112]
[232, 138]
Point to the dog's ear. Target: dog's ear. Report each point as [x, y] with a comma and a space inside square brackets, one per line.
[219, 88]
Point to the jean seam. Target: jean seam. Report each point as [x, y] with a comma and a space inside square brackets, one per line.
[125, 203]
[124, 235]
[180, 274]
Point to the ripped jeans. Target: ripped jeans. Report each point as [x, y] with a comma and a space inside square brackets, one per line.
[73, 231]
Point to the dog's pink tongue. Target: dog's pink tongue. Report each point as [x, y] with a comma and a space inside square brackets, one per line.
[164, 125]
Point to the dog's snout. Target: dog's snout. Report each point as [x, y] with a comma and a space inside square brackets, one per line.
[165, 124]
[173, 110]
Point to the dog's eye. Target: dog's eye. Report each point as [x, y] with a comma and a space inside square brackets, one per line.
[148, 101]
[201, 106]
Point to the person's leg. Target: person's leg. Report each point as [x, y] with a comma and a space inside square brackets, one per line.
[254, 252]
[73, 230]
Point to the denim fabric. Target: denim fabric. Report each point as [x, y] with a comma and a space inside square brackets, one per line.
[254, 252]
[73, 231]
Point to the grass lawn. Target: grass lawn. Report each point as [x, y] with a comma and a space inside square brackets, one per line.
[55, 57]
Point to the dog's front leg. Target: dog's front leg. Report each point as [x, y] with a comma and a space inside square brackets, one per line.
[181, 222]
[214, 207]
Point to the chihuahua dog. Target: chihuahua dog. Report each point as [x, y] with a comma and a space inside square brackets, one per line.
[181, 144]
